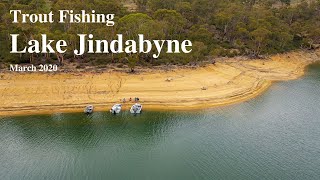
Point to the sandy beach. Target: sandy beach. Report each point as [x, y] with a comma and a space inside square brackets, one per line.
[229, 81]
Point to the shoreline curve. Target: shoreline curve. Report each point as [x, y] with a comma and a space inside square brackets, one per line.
[230, 81]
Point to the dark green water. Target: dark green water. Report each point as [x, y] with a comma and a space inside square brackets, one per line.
[275, 136]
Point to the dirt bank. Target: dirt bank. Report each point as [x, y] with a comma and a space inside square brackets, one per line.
[230, 81]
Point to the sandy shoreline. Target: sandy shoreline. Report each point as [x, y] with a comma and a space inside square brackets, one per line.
[228, 82]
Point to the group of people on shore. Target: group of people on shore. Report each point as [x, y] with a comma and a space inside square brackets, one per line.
[124, 100]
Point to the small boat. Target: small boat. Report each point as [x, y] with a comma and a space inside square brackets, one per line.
[116, 109]
[136, 109]
[88, 109]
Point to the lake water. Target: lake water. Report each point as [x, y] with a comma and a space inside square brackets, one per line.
[274, 136]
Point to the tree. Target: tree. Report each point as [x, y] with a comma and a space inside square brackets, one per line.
[252, 27]
[142, 5]
[173, 20]
[132, 61]
[198, 51]
[161, 4]
[259, 37]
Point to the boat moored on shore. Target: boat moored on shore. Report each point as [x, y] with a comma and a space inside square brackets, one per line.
[116, 109]
[89, 109]
[136, 109]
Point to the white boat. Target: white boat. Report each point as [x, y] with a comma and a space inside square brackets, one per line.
[88, 109]
[136, 109]
[116, 109]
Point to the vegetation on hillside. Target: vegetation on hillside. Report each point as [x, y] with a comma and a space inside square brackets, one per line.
[216, 28]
